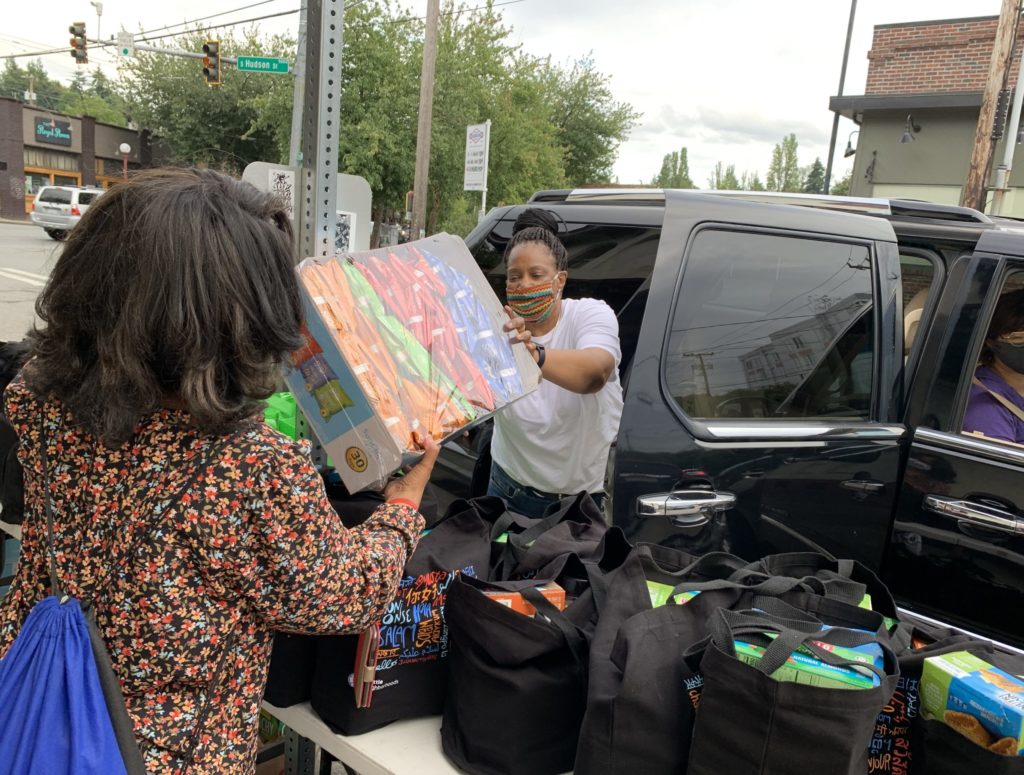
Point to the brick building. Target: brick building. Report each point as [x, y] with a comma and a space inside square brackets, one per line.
[926, 78]
[40, 147]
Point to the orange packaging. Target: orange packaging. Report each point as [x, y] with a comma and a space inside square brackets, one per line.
[514, 600]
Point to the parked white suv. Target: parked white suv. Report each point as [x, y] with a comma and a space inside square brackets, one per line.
[58, 208]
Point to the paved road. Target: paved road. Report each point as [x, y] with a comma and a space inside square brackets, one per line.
[26, 257]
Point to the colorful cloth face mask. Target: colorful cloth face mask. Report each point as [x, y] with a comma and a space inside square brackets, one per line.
[533, 304]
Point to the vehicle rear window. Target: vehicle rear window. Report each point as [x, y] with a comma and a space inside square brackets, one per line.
[86, 198]
[771, 326]
[56, 196]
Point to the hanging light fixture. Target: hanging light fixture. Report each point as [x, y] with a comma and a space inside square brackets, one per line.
[909, 130]
[850, 150]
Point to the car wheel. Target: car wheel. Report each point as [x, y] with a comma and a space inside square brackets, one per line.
[56, 234]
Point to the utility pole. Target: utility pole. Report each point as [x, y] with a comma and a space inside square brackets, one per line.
[419, 197]
[981, 155]
[842, 84]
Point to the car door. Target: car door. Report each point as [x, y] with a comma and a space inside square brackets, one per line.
[957, 550]
[762, 410]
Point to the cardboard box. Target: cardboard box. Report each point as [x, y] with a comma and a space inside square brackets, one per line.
[401, 340]
[977, 699]
[803, 668]
[514, 600]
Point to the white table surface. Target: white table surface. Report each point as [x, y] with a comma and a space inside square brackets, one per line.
[402, 748]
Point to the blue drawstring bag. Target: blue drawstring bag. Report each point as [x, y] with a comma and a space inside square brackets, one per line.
[61, 707]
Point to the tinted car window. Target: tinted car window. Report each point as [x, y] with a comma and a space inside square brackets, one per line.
[85, 198]
[771, 326]
[56, 196]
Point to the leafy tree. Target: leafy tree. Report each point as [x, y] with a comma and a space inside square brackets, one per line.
[751, 182]
[591, 123]
[14, 82]
[724, 178]
[675, 171]
[198, 124]
[814, 182]
[842, 186]
[784, 170]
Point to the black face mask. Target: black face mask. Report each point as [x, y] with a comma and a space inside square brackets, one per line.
[1010, 354]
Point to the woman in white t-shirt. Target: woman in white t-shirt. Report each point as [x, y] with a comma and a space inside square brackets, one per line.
[554, 442]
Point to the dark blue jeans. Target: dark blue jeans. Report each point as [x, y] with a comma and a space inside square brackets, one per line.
[522, 499]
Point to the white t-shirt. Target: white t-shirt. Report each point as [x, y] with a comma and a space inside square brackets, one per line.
[555, 440]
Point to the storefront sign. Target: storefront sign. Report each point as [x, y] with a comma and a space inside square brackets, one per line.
[49, 130]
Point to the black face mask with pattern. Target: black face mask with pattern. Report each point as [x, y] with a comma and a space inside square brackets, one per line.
[1010, 354]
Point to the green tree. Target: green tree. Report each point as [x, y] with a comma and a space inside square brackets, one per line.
[15, 80]
[842, 186]
[220, 126]
[590, 122]
[675, 171]
[784, 170]
[751, 182]
[814, 182]
[723, 178]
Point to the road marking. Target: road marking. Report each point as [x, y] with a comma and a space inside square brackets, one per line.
[25, 277]
[32, 275]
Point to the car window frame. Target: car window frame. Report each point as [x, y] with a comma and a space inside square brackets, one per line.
[767, 428]
[991, 449]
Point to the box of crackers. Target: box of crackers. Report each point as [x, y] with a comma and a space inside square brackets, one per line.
[554, 593]
[977, 699]
[401, 342]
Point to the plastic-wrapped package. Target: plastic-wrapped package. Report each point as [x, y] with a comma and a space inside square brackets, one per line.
[400, 341]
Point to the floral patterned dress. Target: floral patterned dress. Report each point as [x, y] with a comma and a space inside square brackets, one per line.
[196, 549]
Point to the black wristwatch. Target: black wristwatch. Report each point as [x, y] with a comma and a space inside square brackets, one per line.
[540, 354]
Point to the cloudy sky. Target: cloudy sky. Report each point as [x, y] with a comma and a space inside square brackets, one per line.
[727, 79]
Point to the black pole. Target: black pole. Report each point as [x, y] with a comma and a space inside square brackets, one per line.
[842, 81]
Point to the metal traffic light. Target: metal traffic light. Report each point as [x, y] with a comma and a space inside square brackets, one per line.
[211, 62]
[78, 43]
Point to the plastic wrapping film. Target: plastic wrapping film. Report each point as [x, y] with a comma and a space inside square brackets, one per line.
[400, 341]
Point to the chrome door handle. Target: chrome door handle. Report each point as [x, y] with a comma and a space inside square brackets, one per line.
[976, 514]
[863, 486]
[686, 508]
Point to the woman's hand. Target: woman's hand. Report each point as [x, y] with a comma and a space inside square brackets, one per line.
[411, 486]
[522, 334]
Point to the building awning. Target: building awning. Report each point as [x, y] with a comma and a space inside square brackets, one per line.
[854, 107]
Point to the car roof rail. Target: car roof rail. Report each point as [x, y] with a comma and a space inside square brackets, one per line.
[912, 208]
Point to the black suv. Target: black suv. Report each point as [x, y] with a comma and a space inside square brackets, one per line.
[796, 371]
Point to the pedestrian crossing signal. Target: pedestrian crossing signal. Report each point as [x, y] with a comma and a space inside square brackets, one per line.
[211, 62]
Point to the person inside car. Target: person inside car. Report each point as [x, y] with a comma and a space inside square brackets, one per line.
[196, 530]
[554, 442]
[995, 407]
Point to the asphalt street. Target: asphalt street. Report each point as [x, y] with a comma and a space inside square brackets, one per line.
[26, 257]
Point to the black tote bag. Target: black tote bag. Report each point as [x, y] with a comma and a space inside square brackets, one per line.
[572, 526]
[801, 564]
[644, 695]
[413, 642]
[517, 685]
[748, 723]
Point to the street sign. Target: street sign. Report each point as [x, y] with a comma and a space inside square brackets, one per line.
[478, 140]
[125, 44]
[263, 65]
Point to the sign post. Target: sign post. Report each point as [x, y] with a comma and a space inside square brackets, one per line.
[478, 144]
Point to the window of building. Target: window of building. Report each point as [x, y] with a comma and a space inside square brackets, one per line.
[744, 302]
